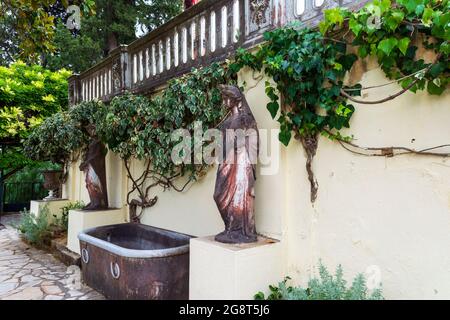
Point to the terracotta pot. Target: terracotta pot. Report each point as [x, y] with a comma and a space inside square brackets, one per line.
[52, 181]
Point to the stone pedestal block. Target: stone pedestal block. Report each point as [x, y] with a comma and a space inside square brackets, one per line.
[80, 220]
[233, 272]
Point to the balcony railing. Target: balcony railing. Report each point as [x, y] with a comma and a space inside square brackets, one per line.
[209, 31]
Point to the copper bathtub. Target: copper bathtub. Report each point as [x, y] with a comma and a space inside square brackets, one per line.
[136, 262]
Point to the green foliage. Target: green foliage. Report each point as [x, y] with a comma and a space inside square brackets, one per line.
[392, 35]
[135, 126]
[308, 72]
[29, 25]
[113, 23]
[308, 66]
[74, 52]
[54, 140]
[325, 287]
[33, 173]
[63, 222]
[28, 94]
[62, 135]
[36, 230]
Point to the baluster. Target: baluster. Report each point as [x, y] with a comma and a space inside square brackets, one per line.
[168, 54]
[193, 44]
[184, 46]
[223, 26]
[148, 63]
[95, 86]
[236, 22]
[141, 66]
[206, 41]
[161, 56]
[189, 42]
[213, 31]
[300, 7]
[230, 23]
[134, 68]
[176, 49]
[103, 83]
[99, 84]
[318, 3]
[109, 81]
[202, 36]
[153, 59]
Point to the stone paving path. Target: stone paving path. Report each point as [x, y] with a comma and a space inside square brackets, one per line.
[30, 274]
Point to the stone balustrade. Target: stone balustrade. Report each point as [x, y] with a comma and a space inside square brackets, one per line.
[209, 31]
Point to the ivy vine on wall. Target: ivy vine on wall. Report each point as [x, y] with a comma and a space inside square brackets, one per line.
[137, 127]
[308, 66]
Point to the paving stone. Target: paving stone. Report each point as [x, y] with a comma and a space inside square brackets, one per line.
[28, 273]
[7, 287]
[49, 277]
[32, 293]
[28, 278]
[51, 290]
[75, 293]
[53, 297]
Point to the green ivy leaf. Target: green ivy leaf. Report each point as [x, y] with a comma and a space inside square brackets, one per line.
[355, 26]
[285, 136]
[410, 5]
[427, 17]
[434, 89]
[387, 45]
[273, 108]
[403, 45]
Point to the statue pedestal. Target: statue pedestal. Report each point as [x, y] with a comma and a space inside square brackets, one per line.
[80, 220]
[221, 271]
[54, 208]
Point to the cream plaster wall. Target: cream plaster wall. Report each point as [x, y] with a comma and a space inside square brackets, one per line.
[393, 213]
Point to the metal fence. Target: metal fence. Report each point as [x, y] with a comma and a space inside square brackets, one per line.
[17, 195]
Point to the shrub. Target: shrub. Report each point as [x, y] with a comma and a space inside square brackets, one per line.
[36, 230]
[61, 137]
[325, 287]
[54, 140]
[63, 222]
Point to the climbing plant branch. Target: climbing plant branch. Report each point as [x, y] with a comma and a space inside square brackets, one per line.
[393, 151]
[138, 128]
[308, 66]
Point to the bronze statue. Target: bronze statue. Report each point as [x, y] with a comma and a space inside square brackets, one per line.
[234, 191]
[93, 166]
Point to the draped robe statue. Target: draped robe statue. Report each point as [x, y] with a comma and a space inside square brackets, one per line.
[234, 190]
[93, 166]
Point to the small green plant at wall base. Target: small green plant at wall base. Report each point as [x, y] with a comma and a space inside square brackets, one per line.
[325, 287]
[36, 230]
[63, 222]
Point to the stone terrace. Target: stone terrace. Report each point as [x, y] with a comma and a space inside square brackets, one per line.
[30, 274]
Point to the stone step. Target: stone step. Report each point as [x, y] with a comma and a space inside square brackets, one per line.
[60, 251]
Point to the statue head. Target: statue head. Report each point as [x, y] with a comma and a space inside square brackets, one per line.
[231, 95]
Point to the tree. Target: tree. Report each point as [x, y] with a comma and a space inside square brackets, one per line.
[114, 23]
[28, 94]
[27, 27]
